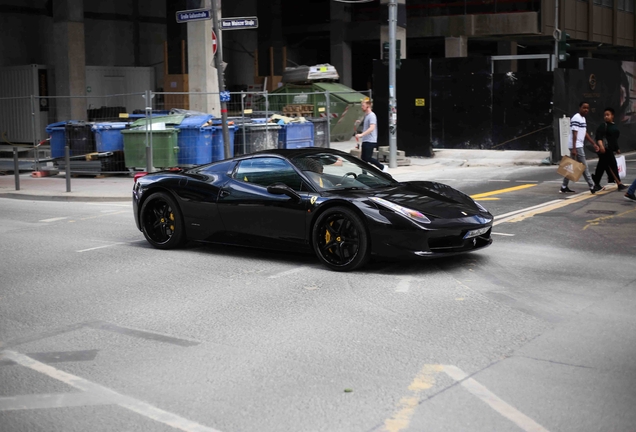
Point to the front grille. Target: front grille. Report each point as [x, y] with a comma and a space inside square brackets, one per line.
[457, 243]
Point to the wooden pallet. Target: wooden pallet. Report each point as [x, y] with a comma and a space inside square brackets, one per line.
[297, 108]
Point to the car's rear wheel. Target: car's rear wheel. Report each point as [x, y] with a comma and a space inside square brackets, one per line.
[161, 221]
[340, 239]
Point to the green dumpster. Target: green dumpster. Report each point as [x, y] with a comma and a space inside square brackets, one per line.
[345, 104]
[164, 147]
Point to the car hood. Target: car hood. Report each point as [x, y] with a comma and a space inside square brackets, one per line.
[433, 199]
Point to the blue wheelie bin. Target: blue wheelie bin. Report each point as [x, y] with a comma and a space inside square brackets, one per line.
[195, 140]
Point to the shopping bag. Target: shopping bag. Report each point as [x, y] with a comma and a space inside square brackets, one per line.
[622, 167]
[570, 169]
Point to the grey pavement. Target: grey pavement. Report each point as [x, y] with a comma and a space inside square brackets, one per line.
[119, 187]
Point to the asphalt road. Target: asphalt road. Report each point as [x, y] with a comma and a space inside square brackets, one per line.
[101, 332]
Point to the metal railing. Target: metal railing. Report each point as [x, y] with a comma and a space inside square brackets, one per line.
[164, 130]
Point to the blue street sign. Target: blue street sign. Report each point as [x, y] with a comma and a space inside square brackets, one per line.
[239, 23]
[193, 15]
[225, 96]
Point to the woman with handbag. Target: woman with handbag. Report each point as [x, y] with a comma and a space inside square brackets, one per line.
[606, 145]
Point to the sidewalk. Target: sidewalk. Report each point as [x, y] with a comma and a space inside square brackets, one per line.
[119, 187]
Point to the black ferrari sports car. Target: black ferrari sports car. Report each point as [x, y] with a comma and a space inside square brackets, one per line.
[324, 200]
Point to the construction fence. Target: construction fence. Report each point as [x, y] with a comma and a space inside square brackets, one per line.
[167, 130]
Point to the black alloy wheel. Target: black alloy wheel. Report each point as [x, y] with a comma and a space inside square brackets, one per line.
[161, 221]
[340, 239]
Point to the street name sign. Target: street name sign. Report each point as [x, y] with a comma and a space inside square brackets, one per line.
[239, 23]
[193, 15]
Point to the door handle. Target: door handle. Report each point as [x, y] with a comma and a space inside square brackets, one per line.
[224, 193]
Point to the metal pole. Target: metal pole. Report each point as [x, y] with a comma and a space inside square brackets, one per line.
[149, 167]
[218, 62]
[556, 35]
[392, 86]
[67, 159]
[16, 168]
[243, 121]
[35, 135]
[328, 101]
[267, 122]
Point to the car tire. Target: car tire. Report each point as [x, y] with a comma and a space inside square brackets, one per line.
[340, 239]
[162, 222]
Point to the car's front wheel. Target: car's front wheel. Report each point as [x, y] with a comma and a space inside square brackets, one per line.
[340, 239]
[161, 221]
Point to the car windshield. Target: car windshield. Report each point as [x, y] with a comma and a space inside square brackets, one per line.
[328, 171]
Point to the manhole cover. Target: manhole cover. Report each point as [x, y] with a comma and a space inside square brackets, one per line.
[603, 212]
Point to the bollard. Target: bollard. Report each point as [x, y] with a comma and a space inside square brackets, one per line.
[16, 168]
[67, 158]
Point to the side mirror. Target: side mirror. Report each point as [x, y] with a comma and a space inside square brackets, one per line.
[283, 189]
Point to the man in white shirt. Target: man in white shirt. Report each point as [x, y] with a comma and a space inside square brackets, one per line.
[578, 134]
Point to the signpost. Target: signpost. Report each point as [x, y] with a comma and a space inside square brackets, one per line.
[241, 23]
[193, 15]
[214, 42]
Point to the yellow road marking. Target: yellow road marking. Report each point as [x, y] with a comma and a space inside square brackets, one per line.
[597, 221]
[424, 380]
[500, 191]
[564, 203]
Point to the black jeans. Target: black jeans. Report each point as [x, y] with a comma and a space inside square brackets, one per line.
[606, 163]
[367, 154]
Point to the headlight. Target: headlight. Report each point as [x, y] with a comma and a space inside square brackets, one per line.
[404, 211]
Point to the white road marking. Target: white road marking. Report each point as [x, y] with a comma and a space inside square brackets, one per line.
[44, 401]
[508, 411]
[404, 284]
[502, 234]
[54, 219]
[135, 405]
[110, 204]
[288, 272]
[512, 213]
[494, 180]
[99, 247]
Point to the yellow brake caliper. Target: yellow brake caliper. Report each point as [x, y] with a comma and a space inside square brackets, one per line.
[328, 236]
[172, 219]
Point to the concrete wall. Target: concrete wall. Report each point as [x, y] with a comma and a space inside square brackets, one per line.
[27, 37]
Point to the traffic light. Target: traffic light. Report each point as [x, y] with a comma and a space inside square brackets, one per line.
[563, 47]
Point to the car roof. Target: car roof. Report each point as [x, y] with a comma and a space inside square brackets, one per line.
[290, 153]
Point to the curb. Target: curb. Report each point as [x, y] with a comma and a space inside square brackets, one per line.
[71, 198]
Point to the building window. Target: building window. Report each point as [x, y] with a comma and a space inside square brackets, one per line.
[626, 5]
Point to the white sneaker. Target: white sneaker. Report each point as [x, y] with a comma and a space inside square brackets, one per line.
[385, 169]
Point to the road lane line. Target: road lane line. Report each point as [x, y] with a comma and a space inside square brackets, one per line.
[401, 418]
[503, 181]
[143, 408]
[100, 247]
[502, 234]
[500, 191]
[288, 272]
[546, 207]
[526, 181]
[508, 411]
[54, 219]
[99, 216]
[45, 401]
[505, 215]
